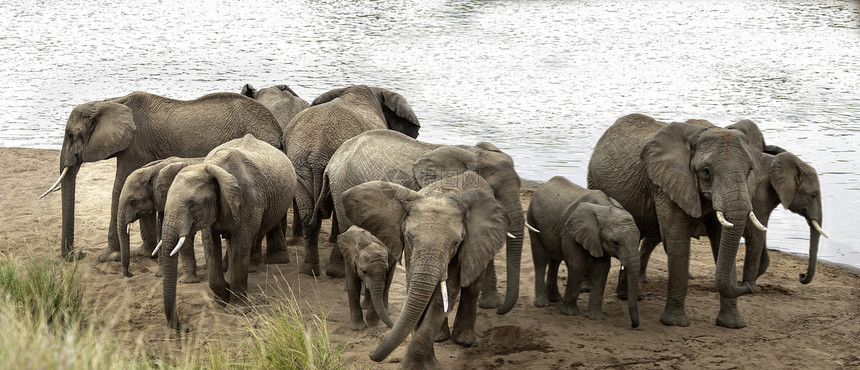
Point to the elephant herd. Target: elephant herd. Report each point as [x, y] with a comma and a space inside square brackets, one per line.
[232, 165]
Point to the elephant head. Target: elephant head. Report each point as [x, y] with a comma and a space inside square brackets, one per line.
[370, 260]
[282, 101]
[692, 161]
[608, 231]
[94, 131]
[199, 196]
[497, 169]
[392, 107]
[443, 236]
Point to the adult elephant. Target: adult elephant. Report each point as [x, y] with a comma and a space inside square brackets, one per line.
[391, 156]
[315, 133]
[672, 177]
[241, 191]
[448, 234]
[139, 128]
[282, 101]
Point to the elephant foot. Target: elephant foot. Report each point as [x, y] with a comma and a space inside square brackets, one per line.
[541, 301]
[256, 266]
[189, 278]
[357, 325]
[372, 319]
[310, 269]
[109, 255]
[674, 318]
[465, 339]
[443, 334]
[143, 251]
[73, 256]
[595, 315]
[429, 362]
[186, 328]
[754, 288]
[295, 240]
[335, 270]
[281, 256]
[555, 296]
[731, 321]
[569, 310]
[491, 299]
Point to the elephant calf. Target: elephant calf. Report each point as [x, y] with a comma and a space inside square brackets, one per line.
[369, 261]
[142, 197]
[569, 222]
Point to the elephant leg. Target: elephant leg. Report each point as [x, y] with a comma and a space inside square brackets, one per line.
[552, 281]
[420, 353]
[586, 278]
[676, 230]
[189, 262]
[353, 293]
[467, 313]
[575, 261]
[334, 268]
[764, 262]
[729, 316]
[212, 251]
[149, 235]
[540, 259]
[444, 332]
[240, 260]
[255, 262]
[111, 253]
[297, 225]
[599, 272]
[645, 250]
[276, 244]
[753, 256]
[311, 265]
[490, 296]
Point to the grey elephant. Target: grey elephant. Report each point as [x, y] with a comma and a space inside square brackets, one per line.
[371, 262]
[139, 128]
[568, 222]
[671, 178]
[448, 235]
[144, 193]
[280, 99]
[241, 191]
[392, 156]
[315, 133]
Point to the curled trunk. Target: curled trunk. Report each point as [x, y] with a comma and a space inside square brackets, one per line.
[814, 237]
[514, 249]
[67, 243]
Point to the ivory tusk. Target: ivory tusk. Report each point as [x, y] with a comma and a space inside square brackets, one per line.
[818, 228]
[532, 228]
[178, 245]
[722, 220]
[157, 246]
[56, 184]
[756, 222]
[444, 285]
[511, 236]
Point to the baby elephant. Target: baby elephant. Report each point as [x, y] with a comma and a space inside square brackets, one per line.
[575, 224]
[142, 198]
[368, 261]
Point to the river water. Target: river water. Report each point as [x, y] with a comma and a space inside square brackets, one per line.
[540, 79]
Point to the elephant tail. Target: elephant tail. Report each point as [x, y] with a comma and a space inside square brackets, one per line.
[324, 205]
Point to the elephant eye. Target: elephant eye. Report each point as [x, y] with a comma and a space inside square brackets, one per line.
[707, 172]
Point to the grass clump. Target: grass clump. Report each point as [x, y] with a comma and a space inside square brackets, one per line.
[45, 291]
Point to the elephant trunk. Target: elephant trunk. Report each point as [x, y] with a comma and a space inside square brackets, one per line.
[729, 242]
[122, 225]
[631, 264]
[169, 266]
[814, 236]
[514, 248]
[376, 288]
[67, 241]
[423, 283]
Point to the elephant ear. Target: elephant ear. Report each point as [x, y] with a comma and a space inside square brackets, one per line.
[667, 158]
[486, 229]
[380, 207]
[163, 181]
[249, 91]
[773, 149]
[755, 139]
[442, 162]
[583, 225]
[398, 113]
[111, 130]
[785, 176]
[328, 96]
[229, 188]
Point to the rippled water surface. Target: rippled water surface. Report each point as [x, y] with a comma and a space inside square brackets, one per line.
[540, 79]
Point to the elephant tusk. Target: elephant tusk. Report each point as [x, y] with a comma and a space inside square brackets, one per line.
[818, 228]
[444, 285]
[532, 228]
[56, 184]
[178, 245]
[756, 222]
[511, 236]
[722, 220]
[157, 246]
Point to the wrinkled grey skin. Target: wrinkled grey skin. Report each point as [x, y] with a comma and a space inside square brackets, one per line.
[448, 235]
[241, 192]
[139, 128]
[671, 178]
[144, 193]
[280, 99]
[315, 133]
[391, 156]
[368, 261]
[578, 225]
